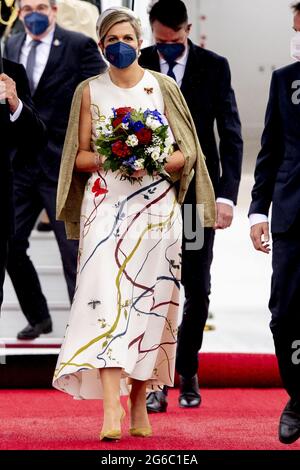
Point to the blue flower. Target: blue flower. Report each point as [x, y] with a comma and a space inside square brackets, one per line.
[137, 126]
[130, 162]
[156, 114]
[126, 118]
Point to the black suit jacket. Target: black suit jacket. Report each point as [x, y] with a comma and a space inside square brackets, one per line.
[207, 89]
[277, 172]
[73, 58]
[26, 133]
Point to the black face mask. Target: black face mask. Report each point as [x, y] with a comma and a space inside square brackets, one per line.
[170, 51]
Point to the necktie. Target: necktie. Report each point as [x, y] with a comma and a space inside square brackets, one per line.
[170, 71]
[31, 63]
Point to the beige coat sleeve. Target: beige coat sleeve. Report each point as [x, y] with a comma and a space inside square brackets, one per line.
[71, 184]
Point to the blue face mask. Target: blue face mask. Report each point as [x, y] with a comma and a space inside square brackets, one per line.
[120, 55]
[169, 51]
[37, 23]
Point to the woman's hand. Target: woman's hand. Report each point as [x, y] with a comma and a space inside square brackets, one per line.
[175, 162]
[138, 174]
[88, 162]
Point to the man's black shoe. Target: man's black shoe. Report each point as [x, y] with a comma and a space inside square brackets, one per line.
[189, 392]
[32, 332]
[289, 424]
[157, 402]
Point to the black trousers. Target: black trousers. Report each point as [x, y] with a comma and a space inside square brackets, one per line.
[285, 306]
[33, 191]
[196, 281]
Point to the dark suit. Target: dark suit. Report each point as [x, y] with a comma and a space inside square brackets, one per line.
[277, 181]
[73, 58]
[206, 87]
[13, 136]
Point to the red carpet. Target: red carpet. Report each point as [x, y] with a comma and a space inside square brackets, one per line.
[217, 370]
[238, 370]
[228, 419]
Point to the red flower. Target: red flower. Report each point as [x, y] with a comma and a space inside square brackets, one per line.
[120, 114]
[123, 111]
[117, 121]
[97, 188]
[120, 149]
[144, 136]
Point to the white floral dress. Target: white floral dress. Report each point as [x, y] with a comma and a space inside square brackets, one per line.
[125, 308]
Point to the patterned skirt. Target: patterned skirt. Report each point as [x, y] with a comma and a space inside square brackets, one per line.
[125, 309]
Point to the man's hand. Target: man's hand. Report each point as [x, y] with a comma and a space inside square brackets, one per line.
[224, 215]
[260, 237]
[8, 92]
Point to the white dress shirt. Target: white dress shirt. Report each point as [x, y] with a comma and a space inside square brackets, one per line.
[178, 71]
[16, 114]
[257, 219]
[42, 55]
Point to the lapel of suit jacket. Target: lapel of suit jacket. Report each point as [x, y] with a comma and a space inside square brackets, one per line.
[153, 63]
[15, 50]
[193, 70]
[55, 56]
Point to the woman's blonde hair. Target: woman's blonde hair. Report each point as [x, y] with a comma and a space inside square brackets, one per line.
[115, 17]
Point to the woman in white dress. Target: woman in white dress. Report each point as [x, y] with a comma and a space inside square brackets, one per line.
[122, 330]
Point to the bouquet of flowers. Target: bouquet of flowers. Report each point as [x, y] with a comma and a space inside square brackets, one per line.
[132, 140]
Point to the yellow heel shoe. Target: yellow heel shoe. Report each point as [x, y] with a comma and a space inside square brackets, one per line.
[141, 432]
[113, 434]
[145, 431]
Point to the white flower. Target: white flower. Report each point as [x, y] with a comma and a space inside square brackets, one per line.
[156, 140]
[105, 128]
[155, 153]
[155, 156]
[169, 150]
[125, 125]
[132, 140]
[168, 142]
[152, 123]
[163, 157]
[104, 122]
[107, 133]
[139, 164]
[149, 150]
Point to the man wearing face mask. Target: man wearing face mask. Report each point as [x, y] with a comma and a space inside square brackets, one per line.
[204, 79]
[277, 181]
[56, 61]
